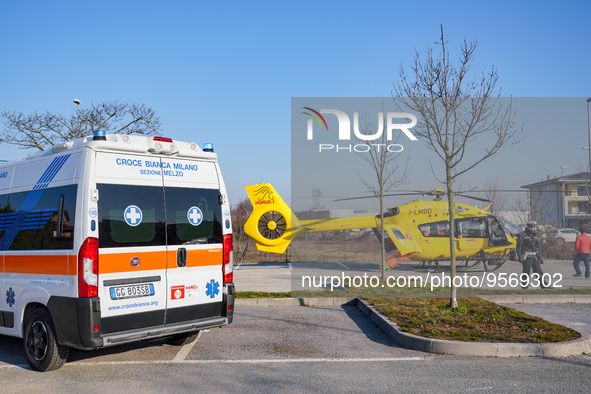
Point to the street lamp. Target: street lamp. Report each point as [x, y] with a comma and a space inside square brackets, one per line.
[77, 102]
[562, 171]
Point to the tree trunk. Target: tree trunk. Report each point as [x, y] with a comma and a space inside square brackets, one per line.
[383, 251]
[453, 302]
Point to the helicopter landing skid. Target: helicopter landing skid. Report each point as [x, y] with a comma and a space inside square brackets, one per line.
[471, 264]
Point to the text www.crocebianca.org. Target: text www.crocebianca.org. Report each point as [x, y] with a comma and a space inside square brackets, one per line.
[487, 279]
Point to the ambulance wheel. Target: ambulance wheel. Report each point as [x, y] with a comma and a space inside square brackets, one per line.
[42, 350]
[182, 339]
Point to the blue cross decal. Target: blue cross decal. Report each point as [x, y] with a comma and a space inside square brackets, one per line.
[195, 216]
[133, 215]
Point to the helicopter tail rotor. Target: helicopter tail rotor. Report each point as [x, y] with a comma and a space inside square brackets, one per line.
[270, 223]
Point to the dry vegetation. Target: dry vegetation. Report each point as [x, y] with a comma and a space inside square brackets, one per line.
[329, 246]
[475, 320]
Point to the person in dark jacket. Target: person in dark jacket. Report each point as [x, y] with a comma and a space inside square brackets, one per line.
[528, 251]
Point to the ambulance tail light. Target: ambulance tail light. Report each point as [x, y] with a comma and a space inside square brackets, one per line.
[228, 267]
[88, 268]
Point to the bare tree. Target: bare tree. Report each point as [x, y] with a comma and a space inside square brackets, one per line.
[497, 196]
[41, 131]
[387, 174]
[528, 209]
[240, 213]
[458, 116]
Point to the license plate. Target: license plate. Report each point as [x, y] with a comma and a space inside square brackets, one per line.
[132, 291]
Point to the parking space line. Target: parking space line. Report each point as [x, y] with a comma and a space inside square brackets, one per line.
[184, 351]
[246, 361]
[255, 361]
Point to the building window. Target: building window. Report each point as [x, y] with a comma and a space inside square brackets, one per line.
[584, 207]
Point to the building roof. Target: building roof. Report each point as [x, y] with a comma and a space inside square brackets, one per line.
[578, 177]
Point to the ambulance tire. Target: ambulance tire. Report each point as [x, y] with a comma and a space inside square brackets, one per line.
[42, 350]
[182, 339]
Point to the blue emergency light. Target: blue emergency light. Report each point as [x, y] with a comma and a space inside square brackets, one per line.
[208, 147]
[99, 135]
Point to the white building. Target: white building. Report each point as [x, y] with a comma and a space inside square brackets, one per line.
[561, 202]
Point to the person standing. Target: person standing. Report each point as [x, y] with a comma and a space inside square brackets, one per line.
[528, 251]
[583, 248]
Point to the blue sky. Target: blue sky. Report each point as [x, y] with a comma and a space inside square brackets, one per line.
[225, 73]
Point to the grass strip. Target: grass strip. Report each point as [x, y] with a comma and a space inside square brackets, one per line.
[475, 320]
[260, 294]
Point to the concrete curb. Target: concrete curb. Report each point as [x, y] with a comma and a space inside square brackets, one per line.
[539, 299]
[480, 349]
[320, 301]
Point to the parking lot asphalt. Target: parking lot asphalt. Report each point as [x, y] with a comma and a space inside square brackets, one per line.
[285, 350]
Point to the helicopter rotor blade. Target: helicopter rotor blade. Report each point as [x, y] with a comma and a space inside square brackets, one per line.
[458, 193]
[472, 197]
[385, 195]
[404, 194]
[354, 198]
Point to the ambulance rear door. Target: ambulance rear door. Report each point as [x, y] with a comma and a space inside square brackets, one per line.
[132, 241]
[194, 233]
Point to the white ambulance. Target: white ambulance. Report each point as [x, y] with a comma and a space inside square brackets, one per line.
[111, 239]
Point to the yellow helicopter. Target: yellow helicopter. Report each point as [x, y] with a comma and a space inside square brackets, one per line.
[418, 230]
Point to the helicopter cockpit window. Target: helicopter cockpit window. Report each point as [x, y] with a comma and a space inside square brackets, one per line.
[495, 228]
[509, 227]
[471, 228]
[496, 233]
[392, 212]
[436, 229]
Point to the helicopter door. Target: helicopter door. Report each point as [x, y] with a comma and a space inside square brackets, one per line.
[403, 241]
[496, 234]
[471, 234]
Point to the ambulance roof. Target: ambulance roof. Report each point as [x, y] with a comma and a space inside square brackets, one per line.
[131, 144]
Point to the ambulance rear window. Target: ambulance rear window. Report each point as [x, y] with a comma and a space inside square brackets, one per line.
[193, 216]
[130, 216]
